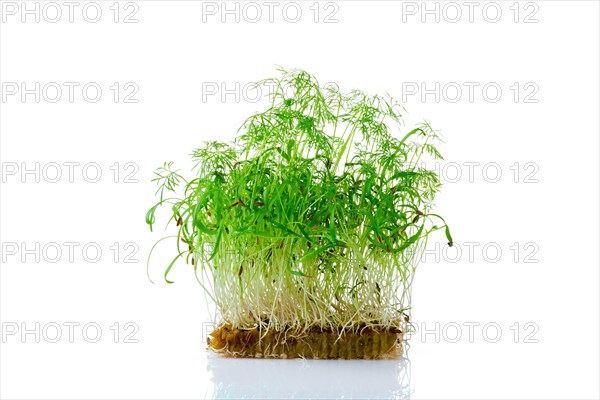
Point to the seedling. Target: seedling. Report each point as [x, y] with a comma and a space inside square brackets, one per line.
[307, 229]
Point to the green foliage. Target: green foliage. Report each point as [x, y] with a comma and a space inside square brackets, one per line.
[315, 215]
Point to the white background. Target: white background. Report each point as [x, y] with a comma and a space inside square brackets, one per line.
[171, 54]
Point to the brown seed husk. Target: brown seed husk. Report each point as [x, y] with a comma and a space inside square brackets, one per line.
[368, 343]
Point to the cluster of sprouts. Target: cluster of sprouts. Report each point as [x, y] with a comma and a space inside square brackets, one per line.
[315, 216]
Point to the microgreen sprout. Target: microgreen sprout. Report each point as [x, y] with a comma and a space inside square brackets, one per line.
[316, 215]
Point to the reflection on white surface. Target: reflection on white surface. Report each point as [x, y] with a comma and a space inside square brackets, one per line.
[240, 378]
